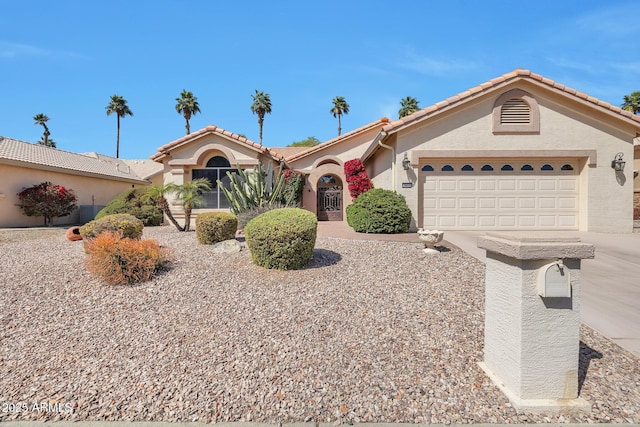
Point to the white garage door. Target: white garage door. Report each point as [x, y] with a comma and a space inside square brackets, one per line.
[500, 194]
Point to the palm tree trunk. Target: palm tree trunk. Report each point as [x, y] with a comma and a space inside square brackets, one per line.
[188, 127]
[118, 138]
[164, 206]
[187, 218]
[260, 122]
[339, 125]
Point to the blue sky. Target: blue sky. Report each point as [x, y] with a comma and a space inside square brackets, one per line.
[66, 58]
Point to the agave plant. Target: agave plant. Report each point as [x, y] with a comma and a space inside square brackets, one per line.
[252, 189]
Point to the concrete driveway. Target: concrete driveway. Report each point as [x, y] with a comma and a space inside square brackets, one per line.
[610, 301]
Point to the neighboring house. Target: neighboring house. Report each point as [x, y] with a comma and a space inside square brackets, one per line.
[94, 178]
[520, 152]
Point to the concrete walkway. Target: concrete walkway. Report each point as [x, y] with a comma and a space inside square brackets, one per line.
[610, 301]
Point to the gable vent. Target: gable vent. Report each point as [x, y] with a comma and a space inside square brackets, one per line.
[515, 111]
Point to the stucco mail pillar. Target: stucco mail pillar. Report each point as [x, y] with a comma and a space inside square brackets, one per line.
[531, 345]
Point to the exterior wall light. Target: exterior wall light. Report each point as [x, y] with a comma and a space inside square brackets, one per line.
[406, 163]
[617, 163]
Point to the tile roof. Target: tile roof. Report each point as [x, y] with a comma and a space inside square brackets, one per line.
[499, 81]
[211, 129]
[146, 168]
[13, 151]
[378, 123]
[288, 151]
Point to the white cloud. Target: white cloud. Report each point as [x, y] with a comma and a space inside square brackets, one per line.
[423, 64]
[10, 50]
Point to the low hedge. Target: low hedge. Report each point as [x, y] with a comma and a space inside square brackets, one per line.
[282, 238]
[125, 224]
[379, 211]
[134, 202]
[214, 227]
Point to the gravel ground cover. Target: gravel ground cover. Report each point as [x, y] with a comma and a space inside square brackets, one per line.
[369, 332]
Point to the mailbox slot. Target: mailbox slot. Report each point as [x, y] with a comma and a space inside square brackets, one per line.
[554, 281]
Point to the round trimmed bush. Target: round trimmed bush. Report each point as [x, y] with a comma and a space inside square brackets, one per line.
[379, 211]
[282, 238]
[124, 224]
[214, 227]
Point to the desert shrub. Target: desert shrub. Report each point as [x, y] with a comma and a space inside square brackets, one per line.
[379, 211]
[47, 200]
[248, 215]
[119, 260]
[357, 178]
[134, 202]
[214, 227]
[125, 224]
[282, 238]
[293, 186]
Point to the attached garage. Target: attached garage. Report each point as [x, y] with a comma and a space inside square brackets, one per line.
[501, 194]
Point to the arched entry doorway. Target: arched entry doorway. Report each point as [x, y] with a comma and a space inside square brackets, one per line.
[329, 198]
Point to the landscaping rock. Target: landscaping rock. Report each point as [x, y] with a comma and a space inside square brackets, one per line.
[227, 247]
[73, 234]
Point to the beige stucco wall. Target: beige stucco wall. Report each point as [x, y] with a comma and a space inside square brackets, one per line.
[564, 125]
[88, 190]
[179, 165]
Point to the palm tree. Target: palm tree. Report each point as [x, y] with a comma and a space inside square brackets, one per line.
[409, 105]
[190, 195]
[261, 106]
[340, 107]
[158, 193]
[42, 119]
[632, 102]
[118, 105]
[187, 106]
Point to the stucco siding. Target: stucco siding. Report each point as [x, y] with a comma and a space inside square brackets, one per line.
[563, 126]
[88, 190]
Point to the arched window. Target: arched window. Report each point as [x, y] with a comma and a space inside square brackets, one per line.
[566, 167]
[486, 168]
[427, 168]
[546, 167]
[218, 162]
[506, 168]
[215, 169]
[526, 168]
[516, 111]
[467, 168]
[447, 168]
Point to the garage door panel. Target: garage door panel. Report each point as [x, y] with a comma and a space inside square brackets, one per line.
[507, 202]
[526, 203]
[500, 200]
[468, 185]
[467, 202]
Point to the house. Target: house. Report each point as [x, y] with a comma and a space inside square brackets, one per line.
[95, 179]
[519, 152]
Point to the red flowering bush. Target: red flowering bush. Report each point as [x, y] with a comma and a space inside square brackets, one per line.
[357, 178]
[47, 200]
[293, 186]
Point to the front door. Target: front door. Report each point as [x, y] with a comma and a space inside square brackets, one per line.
[329, 199]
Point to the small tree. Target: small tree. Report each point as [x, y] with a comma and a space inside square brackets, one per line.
[47, 200]
[189, 195]
[357, 177]
[311, 141]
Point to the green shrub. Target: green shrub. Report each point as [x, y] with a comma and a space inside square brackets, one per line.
[118, 260]
[134, 202]
[214, 227]
[125, 224]
[248, 215]
[282, 238]
[379, 211]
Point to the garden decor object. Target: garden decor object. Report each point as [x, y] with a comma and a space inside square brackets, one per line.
[73, 234]
[430, 238]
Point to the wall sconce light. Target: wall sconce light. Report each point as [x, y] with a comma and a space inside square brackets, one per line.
[617, 163]
[406, 163]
